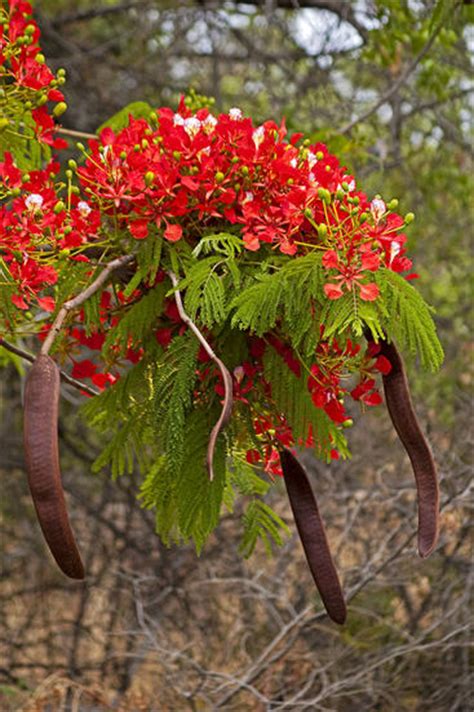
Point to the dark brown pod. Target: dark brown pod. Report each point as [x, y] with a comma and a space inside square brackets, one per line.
[42, 464]
[313, 537]
[400, 408]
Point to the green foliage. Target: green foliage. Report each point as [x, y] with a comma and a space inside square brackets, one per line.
[134, 328]
[137, 109]
[148, 261]
[18, 139]
[205, 293]
[288, 293]
[292, 398]
[260, 522]
[186, 503]
[173, 382]
[409, 320]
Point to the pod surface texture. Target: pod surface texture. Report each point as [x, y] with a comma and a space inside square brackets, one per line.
[41, 407]
[313, 537]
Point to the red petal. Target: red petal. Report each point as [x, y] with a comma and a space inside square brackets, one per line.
[83, 369]
[333, 291]
[139, 229]
[173, 232]
[46, 303]
[368, 292]
[383, 365]
[19, 302]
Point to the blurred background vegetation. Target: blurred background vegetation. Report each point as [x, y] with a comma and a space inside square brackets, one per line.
[387, 84]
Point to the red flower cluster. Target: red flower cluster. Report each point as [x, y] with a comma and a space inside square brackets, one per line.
[181, 175]
[191, 172]
[37, 226]
[24, 75]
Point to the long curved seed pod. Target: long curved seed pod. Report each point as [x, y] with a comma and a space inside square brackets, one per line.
[42, 463]
[402, 414]
[313, 537]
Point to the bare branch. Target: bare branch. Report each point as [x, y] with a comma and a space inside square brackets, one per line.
[395, 86]
[81, 298]
[64, 376]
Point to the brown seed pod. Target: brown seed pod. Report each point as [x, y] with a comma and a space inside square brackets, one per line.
[313, 537]
[400, 408]
[42, 463]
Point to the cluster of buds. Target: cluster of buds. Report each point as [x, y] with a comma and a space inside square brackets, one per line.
[28, 86]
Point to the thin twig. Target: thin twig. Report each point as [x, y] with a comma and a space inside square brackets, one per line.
[65, 376]
[394, 87]
[81, 298]
[76, 134]
[227, 378]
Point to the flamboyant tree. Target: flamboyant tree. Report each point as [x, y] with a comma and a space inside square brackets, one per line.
[217, 290]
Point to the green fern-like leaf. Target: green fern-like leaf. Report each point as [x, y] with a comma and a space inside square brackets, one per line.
[409, 320]
[287, 294]
[260, 522]
[224, 243]
[257, 307]
[174, 378]
[187, 504]
[292, 398]
[138, 322]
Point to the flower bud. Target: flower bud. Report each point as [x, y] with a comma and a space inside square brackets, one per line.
[61, 72]
[176, 155]
[75, 189]
[393, 204]
[322, 230]
[237, 187]
[30, 29]
[149, 178]
[59, 207]
[325, 195]
[245, 170]
[61, 81]
[72, 164]
[219, 177]
[319, 155]
[235, 159]
[308, 213]
[42, 100]
[40, 58]
[67, 230]
[68, 173]
[15, 192]
[80, 146]
[409, 217]
[348, 423]
[4, 123]
[25, 178]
